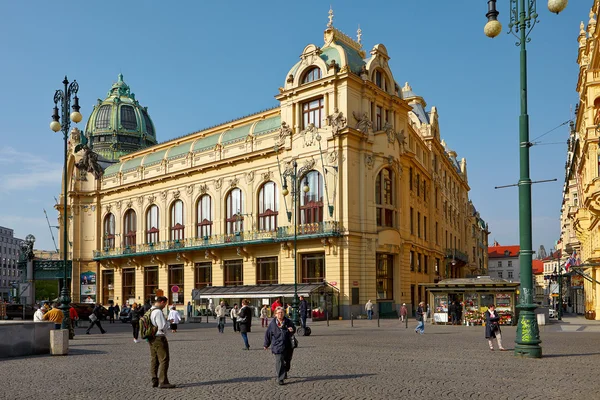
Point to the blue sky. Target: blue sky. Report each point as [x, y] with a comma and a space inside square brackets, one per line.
[197, 64]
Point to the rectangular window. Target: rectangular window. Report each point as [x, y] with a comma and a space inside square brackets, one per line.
[425, 264]
[312, 113]
[412, 225]
[202, 275]
[437, 266]
[418, 262]
[266, 271]
[313, 267]
[418, 224]
[424, 190]
[150, 283]
[412, 260]
[355, 296]
[436, 233]
[128, 276]
[499, 264]
[378, 118]
[510, 263]
[436, 198]
[510, 274]
[108, 286]
[425, 227]
[176, 279]
[499, 274]
[410, 178]
[234, 272]
[385, 276]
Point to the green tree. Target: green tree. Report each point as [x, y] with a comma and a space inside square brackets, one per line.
[46, 290]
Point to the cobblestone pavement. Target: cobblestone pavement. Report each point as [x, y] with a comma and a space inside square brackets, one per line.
[335, 362]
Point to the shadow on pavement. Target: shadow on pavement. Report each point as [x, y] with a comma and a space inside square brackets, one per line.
[325, 378]
[224, 381]
[569, 355]
[84, 352]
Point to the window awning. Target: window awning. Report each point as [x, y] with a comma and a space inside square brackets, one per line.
[260, 291]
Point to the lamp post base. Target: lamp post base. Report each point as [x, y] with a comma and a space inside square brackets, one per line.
[528, 334]
[64, 300]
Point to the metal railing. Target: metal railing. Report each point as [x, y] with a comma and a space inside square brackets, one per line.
[284, 233]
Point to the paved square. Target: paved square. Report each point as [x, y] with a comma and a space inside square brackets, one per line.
[335, 362]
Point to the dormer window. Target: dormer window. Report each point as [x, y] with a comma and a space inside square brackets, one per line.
[312, 75]
[380, 80]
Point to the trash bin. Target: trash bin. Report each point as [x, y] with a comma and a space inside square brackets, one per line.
[541, 319]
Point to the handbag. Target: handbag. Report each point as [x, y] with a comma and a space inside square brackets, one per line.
[93, 317]
[294, 341]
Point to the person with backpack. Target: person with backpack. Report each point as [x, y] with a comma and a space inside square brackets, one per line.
[153, 327]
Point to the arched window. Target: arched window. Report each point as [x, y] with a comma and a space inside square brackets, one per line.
[385, 201]
[128, 118]
[268, 207]
[177, 227]
[204, 217]
[130, 227]
[311, 75]
[109, 231]
[152, 230]
[311, 202]
[233, 211]
[103, 117]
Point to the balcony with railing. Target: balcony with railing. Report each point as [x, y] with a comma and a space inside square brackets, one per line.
[282, 234]
[455, 254]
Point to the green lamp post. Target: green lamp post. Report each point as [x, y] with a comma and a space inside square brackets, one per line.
[523, 17]
[64, 98]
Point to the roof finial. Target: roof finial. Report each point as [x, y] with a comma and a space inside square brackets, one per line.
[330, 23]
[120, 77]
[359, 35]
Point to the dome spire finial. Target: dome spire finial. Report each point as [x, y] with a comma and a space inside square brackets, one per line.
[330, 23]
[120, 77]
[359, 35]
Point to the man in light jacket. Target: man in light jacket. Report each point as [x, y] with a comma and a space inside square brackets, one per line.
[221, 312]
[234, 314]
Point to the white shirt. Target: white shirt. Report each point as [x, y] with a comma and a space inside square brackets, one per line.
[38, 316]
[234, 313]
[158, 319]
[174, 316]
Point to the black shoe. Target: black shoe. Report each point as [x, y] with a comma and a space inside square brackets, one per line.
[154, 383]
[103, 332]
[285, 376]
[87, 333]
[167, 386]
[281, 383]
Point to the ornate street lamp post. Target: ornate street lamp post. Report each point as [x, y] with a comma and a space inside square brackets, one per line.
[64, 98]
[295, 181]
[523, 17]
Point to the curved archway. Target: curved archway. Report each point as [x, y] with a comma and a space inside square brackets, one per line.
[152, 225]
[204, 216]
[268, 207]
[311, 75]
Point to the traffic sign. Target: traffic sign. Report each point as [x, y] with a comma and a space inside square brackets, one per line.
[175, 289]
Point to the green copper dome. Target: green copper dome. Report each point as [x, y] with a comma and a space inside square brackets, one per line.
[118, 124]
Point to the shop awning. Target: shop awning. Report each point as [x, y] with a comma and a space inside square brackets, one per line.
[482, 283]
[259, 291]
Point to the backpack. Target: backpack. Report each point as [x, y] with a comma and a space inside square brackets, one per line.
[147, 329]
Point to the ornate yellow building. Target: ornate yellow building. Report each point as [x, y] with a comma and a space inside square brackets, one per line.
[581, 201]
[382, 204]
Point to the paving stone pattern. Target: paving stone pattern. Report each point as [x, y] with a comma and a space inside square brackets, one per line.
[335, 362]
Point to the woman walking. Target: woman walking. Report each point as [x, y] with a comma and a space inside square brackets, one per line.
[279, 337]
[264, 317]
[136, 310]
[244, 321]
[492, 327]
[174, 319]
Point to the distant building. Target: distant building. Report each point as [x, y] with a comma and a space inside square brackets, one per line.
[504, 262]
[539, 282]
[9, 256]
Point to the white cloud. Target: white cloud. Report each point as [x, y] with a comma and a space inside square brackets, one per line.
[26, 171]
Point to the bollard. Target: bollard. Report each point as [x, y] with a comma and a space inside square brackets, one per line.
[207, 318]
[352, 320]
[378, 320]
[327, 316]
[406, 321]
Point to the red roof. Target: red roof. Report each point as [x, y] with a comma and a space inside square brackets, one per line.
[537, 266]
[501, 251]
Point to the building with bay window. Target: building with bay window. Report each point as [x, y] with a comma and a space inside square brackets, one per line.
[349, 169]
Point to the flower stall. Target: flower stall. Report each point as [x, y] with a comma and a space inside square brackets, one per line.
[473, 295]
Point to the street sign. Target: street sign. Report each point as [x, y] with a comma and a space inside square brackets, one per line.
[175, 297]
[554, 295]
[175, 289]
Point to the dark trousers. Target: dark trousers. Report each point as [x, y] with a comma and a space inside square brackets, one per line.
[245, 337]
[303, 321]
[235, 325]
[135, 325]
[71, 329]
[283, 362]
[221, 326]
[159, 359]
[111, 319]
[96, 322]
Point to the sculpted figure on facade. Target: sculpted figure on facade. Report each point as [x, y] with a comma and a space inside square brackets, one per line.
[310, 134]
[337, 121]
[284, 132]
[203, 188]
[218, 183]
[363, 123]
[234, 182]
[266, 176]
[89, 161]
[389, 131]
